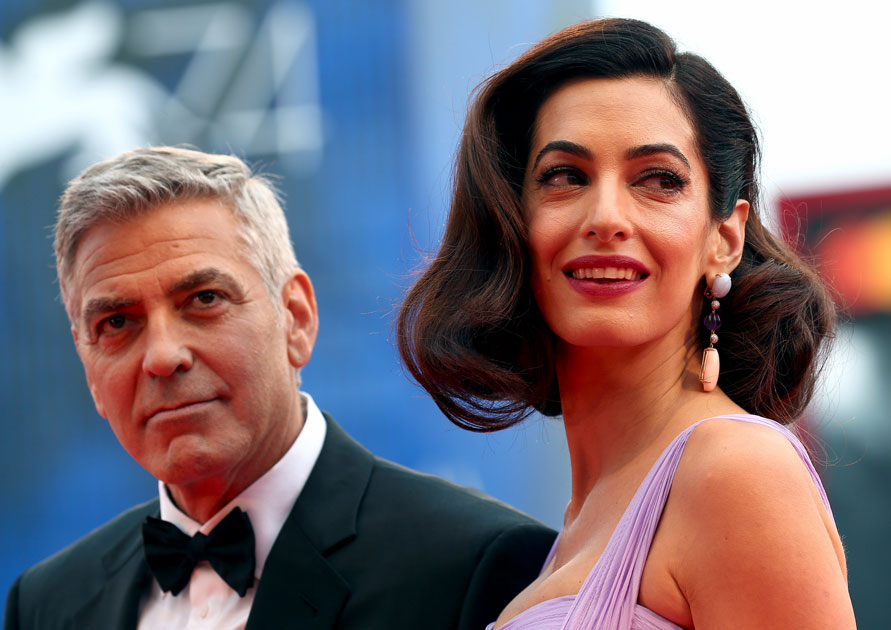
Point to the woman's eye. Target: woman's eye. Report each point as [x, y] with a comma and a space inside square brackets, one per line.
[666, 182]
[562, 177]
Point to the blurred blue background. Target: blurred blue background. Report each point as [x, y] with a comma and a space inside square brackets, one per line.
[356, 107]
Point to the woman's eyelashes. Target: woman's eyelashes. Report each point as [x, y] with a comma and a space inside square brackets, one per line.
[661, 179]
[562, 177]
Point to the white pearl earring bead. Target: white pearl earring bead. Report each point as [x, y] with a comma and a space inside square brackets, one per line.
[721, 285]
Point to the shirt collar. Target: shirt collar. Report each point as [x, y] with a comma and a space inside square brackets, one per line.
[268, 500]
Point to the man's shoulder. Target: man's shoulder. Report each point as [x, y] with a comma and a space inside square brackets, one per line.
[412, 496]
[421, 497]
[94, 552]
[450, 552]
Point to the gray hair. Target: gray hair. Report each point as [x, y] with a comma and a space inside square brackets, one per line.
[136, 181]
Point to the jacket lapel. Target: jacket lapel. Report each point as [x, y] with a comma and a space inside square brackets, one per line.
[125, 577]
[299, 587]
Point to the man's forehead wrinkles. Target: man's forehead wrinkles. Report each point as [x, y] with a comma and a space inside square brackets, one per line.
[118, 269]
[99, 241]
[147, 245]
[106, 265]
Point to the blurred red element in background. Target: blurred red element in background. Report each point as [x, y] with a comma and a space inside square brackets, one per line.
[848, 235]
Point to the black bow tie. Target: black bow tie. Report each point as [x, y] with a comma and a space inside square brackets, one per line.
[229, 548]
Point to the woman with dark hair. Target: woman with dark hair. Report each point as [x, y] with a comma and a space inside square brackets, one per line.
[603, 230]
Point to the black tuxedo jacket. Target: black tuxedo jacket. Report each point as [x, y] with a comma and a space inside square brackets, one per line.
[368, 545]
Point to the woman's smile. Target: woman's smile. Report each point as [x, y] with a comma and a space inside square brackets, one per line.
[605, 276]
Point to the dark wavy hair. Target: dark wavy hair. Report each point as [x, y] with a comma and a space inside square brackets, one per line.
[469, 330]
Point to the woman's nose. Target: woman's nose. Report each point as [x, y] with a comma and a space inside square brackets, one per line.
[607, 214]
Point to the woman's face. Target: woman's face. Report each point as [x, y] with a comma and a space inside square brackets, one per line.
[615, 197]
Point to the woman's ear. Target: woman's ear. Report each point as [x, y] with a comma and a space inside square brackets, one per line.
[730, 239]
[301, 317]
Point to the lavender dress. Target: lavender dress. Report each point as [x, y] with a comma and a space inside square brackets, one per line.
[608, 597]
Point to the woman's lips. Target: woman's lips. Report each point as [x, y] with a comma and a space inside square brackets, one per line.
[605, 276]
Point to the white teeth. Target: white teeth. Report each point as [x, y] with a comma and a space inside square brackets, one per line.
[610, 273]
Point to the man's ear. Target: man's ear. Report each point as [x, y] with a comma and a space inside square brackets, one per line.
[93, 391]
[301, 317]
[729, 240]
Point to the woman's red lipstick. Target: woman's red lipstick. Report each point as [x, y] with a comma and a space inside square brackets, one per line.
[576, 270]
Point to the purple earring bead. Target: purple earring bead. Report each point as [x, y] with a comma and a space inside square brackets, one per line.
[712, 321]
[721, 285]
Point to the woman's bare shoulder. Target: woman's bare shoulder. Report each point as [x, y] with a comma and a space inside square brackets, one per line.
[722, 447]
[757, 544]
[743, 475]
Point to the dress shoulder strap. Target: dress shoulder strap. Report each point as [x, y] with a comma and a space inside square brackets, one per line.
[608, 597]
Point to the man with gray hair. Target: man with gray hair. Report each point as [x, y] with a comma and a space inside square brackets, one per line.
[192, 319]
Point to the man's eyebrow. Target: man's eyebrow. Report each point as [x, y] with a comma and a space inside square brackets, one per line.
[651, 149]
[203, 276]
[100, 305]
[563, 145]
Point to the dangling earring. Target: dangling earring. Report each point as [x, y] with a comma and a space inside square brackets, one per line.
[711, 364]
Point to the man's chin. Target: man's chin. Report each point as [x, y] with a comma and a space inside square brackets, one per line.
[190, 460]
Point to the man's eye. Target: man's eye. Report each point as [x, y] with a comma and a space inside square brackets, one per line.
[116, 321]
[110, 326]
[207, 297]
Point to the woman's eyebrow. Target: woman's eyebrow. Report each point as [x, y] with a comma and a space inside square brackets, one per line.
[650, 149]
[563, 145]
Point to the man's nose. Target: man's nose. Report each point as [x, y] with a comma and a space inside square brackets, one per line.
[165, 348]
[607, 213]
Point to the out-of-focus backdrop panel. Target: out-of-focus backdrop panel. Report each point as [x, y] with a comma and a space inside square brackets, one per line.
[848, 233]
[354, 107]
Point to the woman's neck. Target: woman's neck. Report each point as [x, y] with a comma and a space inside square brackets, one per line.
[621, 403]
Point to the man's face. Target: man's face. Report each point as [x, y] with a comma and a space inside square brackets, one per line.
[182, 347]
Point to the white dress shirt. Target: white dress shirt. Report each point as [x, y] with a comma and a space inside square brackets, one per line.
[207, 602]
